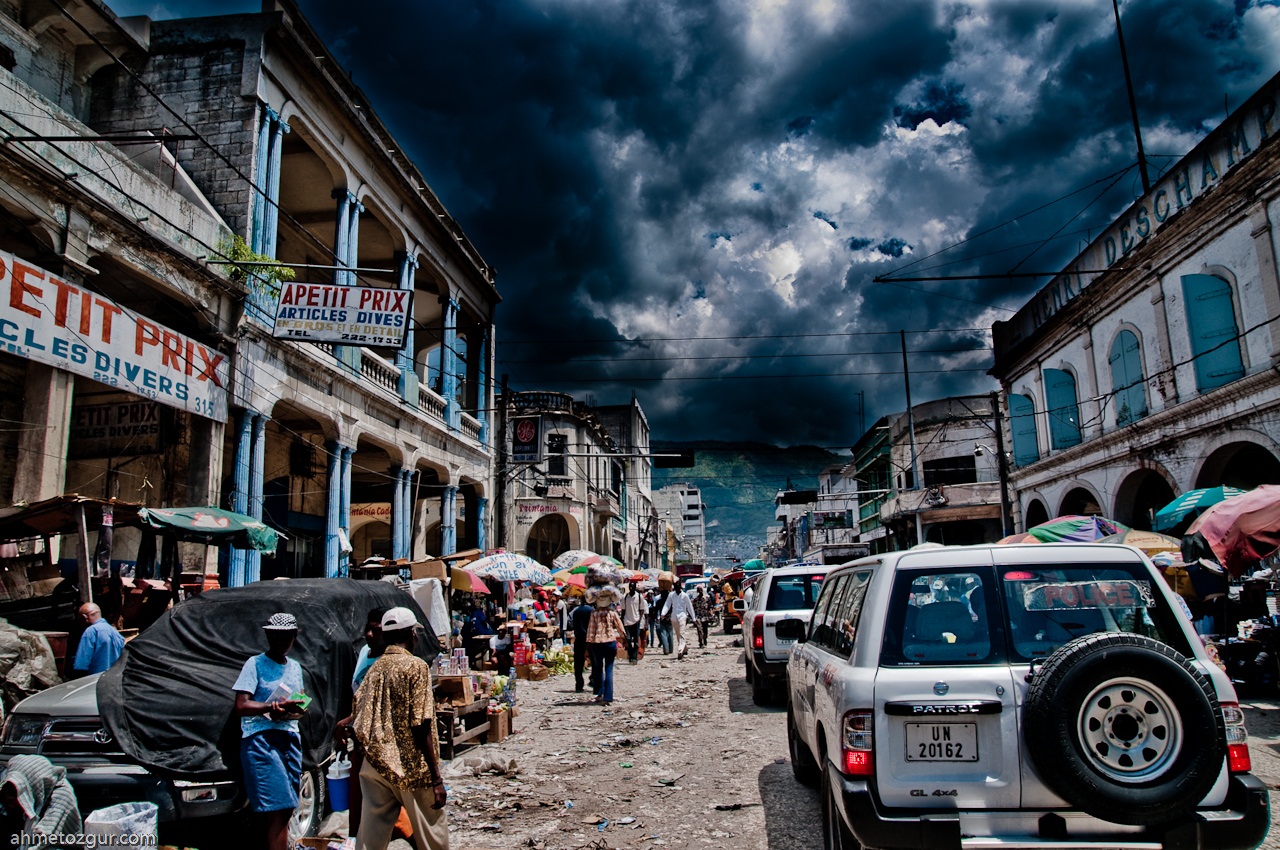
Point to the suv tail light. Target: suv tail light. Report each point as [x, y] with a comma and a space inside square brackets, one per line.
[1237, 739]
[757, 632]
[857, 748]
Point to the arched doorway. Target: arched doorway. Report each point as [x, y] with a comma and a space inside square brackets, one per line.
[548, 537]
[1036, 513]
[1243, 465]
[1139, 497]
[1080, 502]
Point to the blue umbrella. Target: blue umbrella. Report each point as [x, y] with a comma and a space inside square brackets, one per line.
[1190, 502]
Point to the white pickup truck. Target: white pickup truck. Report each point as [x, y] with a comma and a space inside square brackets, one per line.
[782, 593]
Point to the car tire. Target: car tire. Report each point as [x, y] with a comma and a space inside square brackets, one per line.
[760, 690]
[803, 766]
[309, 814]
[835, 835]
[728, 626]
[1123, 727]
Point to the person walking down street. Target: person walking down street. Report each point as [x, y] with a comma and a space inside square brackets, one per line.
[664, 619]
[678, 609]
[642, 628]
[100, 645]
[395, 723]
[702, 609]
[631, 605]
[605, 632]
[270, 745]
[37, 802]
[581, 619]
[562, 618]
[653, 613]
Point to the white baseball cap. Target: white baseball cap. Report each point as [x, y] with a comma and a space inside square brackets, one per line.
[399, 618]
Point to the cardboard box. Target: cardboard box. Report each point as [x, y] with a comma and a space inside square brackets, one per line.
[454, 690]
[499, 726]
[522, 671]
[427, 569]
[537, 673]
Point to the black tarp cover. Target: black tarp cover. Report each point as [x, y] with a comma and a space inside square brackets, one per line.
[168, 701]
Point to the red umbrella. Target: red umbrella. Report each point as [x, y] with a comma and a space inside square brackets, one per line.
[1242, 530]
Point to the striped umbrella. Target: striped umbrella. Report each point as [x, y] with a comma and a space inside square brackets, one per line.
[1190, 502]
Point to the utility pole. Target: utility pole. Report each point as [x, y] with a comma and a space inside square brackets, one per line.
[911, 429]
[500, 521]
[1133, 103]
[1006, 513]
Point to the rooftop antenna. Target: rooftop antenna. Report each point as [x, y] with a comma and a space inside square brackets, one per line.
[1133, 103]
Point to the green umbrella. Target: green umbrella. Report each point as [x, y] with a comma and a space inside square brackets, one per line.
[1190, 502]
[212, 525]
[754, 565]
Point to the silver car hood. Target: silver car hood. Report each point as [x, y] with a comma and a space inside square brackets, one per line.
[77, 698]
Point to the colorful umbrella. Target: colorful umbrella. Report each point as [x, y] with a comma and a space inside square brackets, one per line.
[571, 558]
[508, 566]
[1191, 501]
[1242, 530]
[1076, 529]
[754, 565]
[1020, 537]
[1150, 542]
[577, 579]
[467, 582]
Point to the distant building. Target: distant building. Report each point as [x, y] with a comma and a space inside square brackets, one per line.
[819, 526]
[1148, 366]
[680, 505]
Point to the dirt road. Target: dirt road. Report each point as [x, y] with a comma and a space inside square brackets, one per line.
[681, 759]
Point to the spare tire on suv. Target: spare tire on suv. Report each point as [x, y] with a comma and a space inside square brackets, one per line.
[1125, 728]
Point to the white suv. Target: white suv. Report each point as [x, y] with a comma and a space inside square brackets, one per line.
[1049, 696]
[782, 593]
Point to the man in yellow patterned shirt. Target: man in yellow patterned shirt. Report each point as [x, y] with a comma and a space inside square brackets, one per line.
[395, 722]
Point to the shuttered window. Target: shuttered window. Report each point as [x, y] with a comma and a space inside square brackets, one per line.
[1064, 411]
[1127, 384]
[1211, 324]
[1022, 425]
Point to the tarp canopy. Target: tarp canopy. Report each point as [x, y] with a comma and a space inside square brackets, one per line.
[212, 525]
[168, 701]
[61, 515]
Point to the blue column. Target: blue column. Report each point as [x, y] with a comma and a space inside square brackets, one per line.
[408, 381]
[342, 230]
[271, 213]
[408, 512]
[344, 507]
[449, 521]
[482, 516]
[482, 390]
[397, 515]
[240, 492]
[253, 563]
[449, 366]
[259, 205]
[333, 510]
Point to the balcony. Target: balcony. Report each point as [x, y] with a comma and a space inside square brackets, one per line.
[980, 500]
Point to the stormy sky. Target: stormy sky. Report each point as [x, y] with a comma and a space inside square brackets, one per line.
[689, 201]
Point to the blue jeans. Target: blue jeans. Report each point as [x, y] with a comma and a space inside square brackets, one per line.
[653, 630]
[666, 636]
[602, 656]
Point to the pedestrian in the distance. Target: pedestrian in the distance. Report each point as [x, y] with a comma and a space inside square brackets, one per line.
[702, 609]
[100, 645]
[581, 619]
[678, 610]
[631, 605]
[605, 632]
[395, 723]
[653, 613]
[269, 702]
[664, 619]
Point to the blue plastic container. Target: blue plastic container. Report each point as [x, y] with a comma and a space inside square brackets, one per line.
[338, 780]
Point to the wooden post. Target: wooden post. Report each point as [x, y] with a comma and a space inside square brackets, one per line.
[86, 582]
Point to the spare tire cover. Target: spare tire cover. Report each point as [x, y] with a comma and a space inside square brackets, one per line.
[1123, 727]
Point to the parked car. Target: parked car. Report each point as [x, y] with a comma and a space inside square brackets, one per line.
[158, 726]
[1014, 696]
[782, 593]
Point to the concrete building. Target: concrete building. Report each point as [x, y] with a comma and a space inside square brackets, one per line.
[681, 507]
[819, 526]
[569, 481]
[149, 147]
[1147, 367]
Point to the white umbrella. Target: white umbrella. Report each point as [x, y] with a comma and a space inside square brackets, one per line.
[569, 560]
[508, 566]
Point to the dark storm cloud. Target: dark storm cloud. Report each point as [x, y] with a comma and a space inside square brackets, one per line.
[680, 196]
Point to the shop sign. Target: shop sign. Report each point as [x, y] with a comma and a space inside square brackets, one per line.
[372, 510]
[526, 439]
[108, 430]
[346, 315]
[527, 513]
[48, 320]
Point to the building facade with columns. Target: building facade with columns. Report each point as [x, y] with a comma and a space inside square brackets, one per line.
[1148, 366]
[149, 147]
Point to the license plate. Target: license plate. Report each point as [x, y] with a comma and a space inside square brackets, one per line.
[942, 742]
[785, 641]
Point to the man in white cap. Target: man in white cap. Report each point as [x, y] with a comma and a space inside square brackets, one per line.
[395, 722]
[270, 746]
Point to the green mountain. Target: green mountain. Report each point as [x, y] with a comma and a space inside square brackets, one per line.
[738, 482]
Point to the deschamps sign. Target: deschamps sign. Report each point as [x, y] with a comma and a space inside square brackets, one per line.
[347, 315]
[48, 320]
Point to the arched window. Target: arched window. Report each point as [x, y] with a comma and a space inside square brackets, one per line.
[1127, 383]
[1211, 324]
[1022, 425]
[1064, 409]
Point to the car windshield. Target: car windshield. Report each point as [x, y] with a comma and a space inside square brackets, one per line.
[1049, 607]
[794, 593]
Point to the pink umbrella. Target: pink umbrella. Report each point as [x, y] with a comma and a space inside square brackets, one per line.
[1242, 530]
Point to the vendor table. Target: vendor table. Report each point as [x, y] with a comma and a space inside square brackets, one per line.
[475, 725]
[541, 635]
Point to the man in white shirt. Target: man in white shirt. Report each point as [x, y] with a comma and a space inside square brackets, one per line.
[749, 596]
[631, 604]
[679, 607]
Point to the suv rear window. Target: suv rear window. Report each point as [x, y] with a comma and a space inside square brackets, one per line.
[962, 616]
[793, 593]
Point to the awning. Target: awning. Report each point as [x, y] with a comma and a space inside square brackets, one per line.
[212, 525]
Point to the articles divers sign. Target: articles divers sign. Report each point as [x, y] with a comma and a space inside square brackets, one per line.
[49, 320]
[346, 315]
